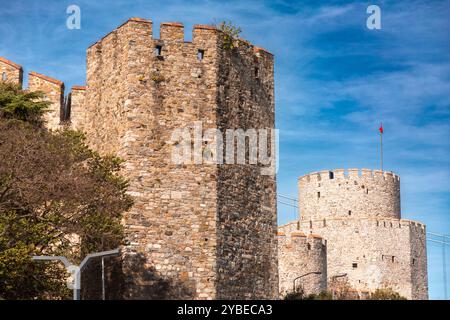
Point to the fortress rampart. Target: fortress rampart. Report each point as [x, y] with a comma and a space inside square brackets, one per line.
[300, 255]
[52, 88]
[358, 213]
[349, 193]
[10, 71]
[195, 231]
[375, 252]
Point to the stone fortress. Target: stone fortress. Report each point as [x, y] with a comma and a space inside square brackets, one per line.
[198, 231]
[205, 231]
[357, 215]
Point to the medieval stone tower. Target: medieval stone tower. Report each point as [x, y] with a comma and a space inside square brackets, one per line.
[357, 212]
[199, 231]
[302, 262]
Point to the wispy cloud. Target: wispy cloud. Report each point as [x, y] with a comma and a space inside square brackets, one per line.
[335, 79]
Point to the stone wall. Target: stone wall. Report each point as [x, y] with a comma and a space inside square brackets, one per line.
[418, 261]
[53, 90]
[10, 71]
[247, 223]
[186, 237]
[358, 214]
[352, 193]
[374, 252]
[299, 255]
[76, 105]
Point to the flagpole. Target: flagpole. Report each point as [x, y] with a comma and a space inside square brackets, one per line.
[381, 145]
[381, 149]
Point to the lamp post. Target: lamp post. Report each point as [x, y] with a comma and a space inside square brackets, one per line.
[334, 278]
[76, 270]
[304, 275]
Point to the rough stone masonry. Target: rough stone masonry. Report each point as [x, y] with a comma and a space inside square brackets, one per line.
[358, 213]
[202, 231]
[210, 231]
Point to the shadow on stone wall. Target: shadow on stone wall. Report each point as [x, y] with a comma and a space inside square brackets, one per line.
[131, 279]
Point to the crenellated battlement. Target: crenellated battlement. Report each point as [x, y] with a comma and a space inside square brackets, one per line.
[336, 222]
[10, 71]
[298, 254]
[53, 90]
[175, 32]
[349, 193]
[348, 174]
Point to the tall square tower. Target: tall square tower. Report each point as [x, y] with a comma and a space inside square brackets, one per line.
[203, 231]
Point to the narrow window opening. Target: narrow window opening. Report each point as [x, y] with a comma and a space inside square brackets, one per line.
[331, 175]
[393, 258]
[324, 222]
[318, 195]
[200, 54]
[256, 72]
[349, 212]
[354, 265]
[4, 77]
[367, 191]
[309, 246]
[158, 50]
[414, 261]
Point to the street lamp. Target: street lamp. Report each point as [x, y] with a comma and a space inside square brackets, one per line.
[76, 270]
[333, 290]
[338, 276]
[304, 275]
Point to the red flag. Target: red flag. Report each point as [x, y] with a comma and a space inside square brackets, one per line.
[381, 128]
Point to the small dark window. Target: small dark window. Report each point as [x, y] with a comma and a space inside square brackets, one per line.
[256, 72]
[414, 261]
[200, 54]
[349, 212]
[393, 258]
[367, 191]
[158, 50]
[309, 246]
[354, 265]
[318, 195]
[331, 175]
[4, 77]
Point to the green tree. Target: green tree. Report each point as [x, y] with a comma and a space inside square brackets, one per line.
[57, 197]
[230, 35]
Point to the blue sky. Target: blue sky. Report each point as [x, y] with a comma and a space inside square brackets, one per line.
[335, 81]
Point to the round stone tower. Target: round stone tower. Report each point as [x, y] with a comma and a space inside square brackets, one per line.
[354, 193]
[358, 213]
[303, 260]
